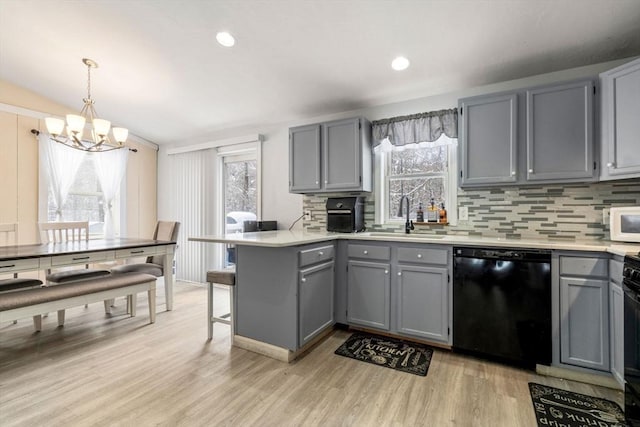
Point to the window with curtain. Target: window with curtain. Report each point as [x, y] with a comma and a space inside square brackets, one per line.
[81, 186]
[415, 156]
[84, 200]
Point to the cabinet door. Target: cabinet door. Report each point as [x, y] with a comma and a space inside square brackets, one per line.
[489, 138]
[368, 295]
[560, 132]
[616, 312]
[342, 155]
[423, 302]
[304, 159]
[620, 112]
[584, 322]
[315, 293]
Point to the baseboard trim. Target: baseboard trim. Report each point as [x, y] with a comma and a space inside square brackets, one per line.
[269, 350]
[605, 380]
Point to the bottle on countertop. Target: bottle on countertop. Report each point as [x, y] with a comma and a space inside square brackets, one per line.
[420, 213]
[432, 212]
[443, 214]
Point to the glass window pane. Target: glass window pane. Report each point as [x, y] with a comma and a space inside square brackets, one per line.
[420, 160]
[240, 196]
[419, 190]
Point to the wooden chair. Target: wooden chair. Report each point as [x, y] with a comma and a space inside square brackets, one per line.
[62, 232]
[154, 265]
[225, 277]
[9, 237]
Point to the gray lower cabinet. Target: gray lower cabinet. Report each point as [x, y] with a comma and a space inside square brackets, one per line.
[620, 125]
[423, 302]
[315, 300]
[369, 294]
[284, 295]
[616, 319]
[584, 312]
[331, 156]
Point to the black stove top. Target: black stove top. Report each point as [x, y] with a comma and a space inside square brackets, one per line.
[631, 271]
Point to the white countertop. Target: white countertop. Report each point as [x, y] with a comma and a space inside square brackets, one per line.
[283, 238]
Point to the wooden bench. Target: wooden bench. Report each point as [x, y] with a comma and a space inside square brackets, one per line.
[33, 302]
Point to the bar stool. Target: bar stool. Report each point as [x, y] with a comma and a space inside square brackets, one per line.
[225, 277]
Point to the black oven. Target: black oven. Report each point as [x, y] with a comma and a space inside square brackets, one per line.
[345, 214]
[631, 285]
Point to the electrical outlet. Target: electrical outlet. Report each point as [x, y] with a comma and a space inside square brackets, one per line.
[307, 215]
[463, 213]
[605, 216]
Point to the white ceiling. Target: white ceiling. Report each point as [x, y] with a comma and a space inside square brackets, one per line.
[164, 77]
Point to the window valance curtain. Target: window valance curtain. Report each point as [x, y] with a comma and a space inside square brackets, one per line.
[416, 128]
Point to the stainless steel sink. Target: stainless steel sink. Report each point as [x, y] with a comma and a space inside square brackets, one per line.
[404, 235]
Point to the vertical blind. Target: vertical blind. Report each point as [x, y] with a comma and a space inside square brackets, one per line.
[189, 195]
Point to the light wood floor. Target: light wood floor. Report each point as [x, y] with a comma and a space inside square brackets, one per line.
[99, 371]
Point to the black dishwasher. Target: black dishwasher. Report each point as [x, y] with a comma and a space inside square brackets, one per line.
[502, 304]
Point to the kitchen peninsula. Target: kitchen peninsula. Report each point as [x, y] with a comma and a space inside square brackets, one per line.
[292, 287]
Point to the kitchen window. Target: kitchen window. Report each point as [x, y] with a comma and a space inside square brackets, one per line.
[423, 172]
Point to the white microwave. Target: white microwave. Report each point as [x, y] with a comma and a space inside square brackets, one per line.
[625, 224]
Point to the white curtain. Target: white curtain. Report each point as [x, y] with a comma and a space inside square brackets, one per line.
[111, 167]
[61, 163]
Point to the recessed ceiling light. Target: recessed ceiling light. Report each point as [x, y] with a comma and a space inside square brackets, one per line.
[400, 63]
[225, 39]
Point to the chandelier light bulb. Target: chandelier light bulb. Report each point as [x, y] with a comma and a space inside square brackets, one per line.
[120, 134]
[75, 123]
[101, 126]
[54, 126]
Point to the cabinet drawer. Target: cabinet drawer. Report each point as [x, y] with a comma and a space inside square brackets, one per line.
[19, 265]
[582, 266]
[369, 252]
[315, 255]
[615, 271]
[423, 255]
[86, 258]
[134, 252]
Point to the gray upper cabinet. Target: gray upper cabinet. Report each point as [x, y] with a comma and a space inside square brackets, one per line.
[533, 135]
[488, 147]
[560, 132]
[620, 124]
[330, 157]
[304, 159]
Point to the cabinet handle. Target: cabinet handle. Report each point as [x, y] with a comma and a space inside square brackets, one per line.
[365, 252]
[326, 182]
[320, 253]
[419, 255]
[530, 170]
[610, 164]
[513, 173]
[303, 280]
[399, 273]
[317, 182]
[386, 272]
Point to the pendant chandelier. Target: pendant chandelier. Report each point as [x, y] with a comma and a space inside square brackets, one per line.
[86, 123]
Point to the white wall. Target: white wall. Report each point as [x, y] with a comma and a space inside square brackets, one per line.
[277, 203]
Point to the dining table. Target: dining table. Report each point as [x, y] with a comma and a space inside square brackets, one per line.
[33, 257]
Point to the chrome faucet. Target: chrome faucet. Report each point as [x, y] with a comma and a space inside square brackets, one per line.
[408, 226]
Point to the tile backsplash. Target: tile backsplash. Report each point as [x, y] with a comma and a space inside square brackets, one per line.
[561, 211]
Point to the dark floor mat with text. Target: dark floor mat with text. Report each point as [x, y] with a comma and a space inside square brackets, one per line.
[401, 355]
[561, 408]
